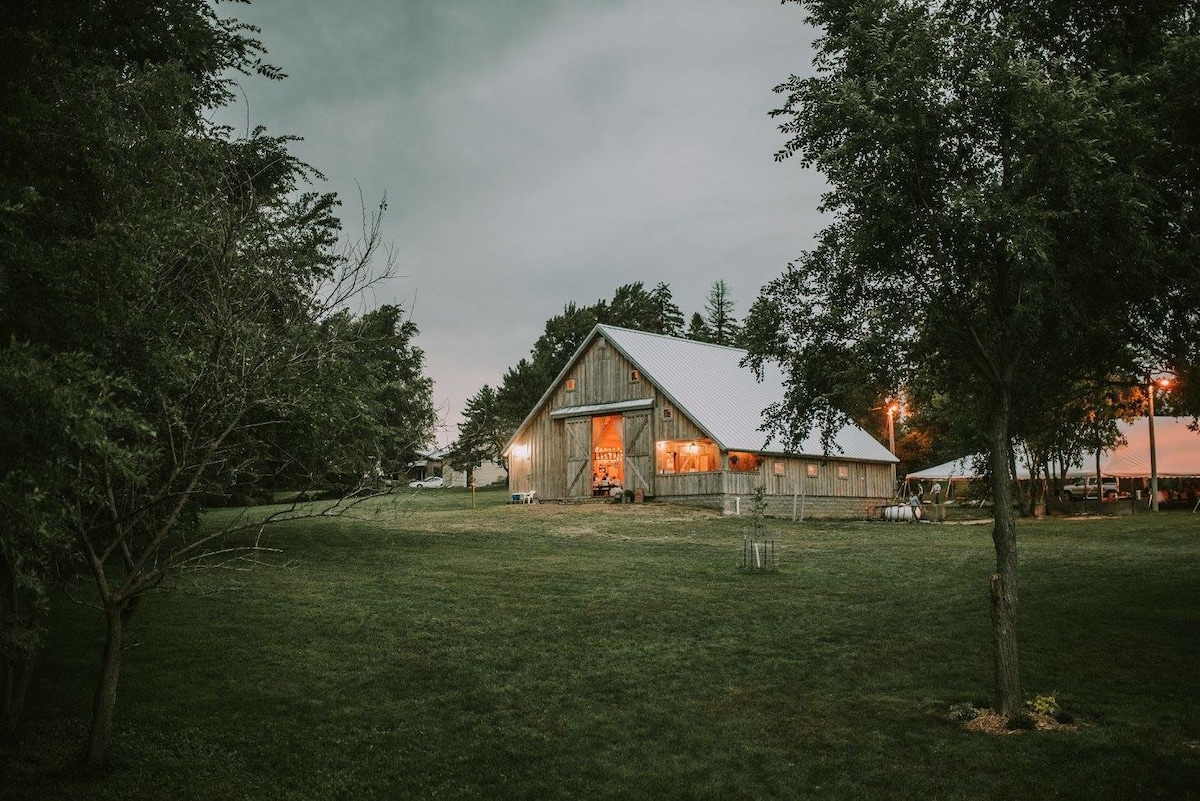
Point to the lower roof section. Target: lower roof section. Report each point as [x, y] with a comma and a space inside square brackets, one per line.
[603, 408]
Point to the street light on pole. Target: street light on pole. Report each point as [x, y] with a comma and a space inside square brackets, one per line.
[891, 410]
[1150, 388]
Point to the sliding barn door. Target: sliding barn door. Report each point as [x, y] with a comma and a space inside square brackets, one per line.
[579, 457]
[639, 451]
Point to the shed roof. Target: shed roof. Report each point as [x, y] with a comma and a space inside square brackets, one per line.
[709, 384]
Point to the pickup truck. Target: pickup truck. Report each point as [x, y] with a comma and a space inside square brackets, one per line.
[1086, 488]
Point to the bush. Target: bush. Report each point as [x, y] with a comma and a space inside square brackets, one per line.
[1044, 705]
[963, 712]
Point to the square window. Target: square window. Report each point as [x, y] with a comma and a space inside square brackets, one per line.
[688, 456]
[779, 468]
[743, 462]
[570, 385]
[634, 375]
[813, 471]
[843, 471]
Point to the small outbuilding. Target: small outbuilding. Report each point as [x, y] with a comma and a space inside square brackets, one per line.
[636, 415]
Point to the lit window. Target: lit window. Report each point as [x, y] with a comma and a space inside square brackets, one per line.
[813, 471]
[743, 462]
[570, 385]
[843, 471]
[687, 456]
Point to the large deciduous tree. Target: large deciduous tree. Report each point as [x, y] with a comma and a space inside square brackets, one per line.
[632, 307]
[175, 292]
[1000, 208]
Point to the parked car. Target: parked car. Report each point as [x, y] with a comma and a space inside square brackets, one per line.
[1086, 488]
[433, 482]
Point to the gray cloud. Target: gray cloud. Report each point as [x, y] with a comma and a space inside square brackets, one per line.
[536, 153]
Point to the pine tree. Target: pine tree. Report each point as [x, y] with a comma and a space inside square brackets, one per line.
[698, 329]
[719, 318]
[667, 316]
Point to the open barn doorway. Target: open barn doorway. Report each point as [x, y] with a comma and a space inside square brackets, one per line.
[608, 455]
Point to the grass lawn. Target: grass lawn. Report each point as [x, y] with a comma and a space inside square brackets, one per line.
[551, 652]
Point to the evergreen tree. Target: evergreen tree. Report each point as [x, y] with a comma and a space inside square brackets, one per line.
[698, 329]
[481, 435]
[668, 319]
[719, 317]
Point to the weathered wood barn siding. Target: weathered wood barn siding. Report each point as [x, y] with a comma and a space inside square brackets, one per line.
[863, 481]
[551, 468]
[840, 488]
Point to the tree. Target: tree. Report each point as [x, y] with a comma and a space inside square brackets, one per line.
[35, 544]
[631, 307]
[90, 93]
[238, 337]
[176, 292]
[524, 383]
[1164, 54]
[563, 335]
[987, 192]
[719, 318]
[668, 319]
[482, 434]
[368, 399]
[698, 329]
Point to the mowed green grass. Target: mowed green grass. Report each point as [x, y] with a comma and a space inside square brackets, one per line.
[617, 652]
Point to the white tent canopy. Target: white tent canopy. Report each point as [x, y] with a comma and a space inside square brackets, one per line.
[964, 468]
[956, 468]
[1176, 449]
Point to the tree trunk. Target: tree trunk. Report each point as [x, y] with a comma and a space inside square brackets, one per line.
[1017, 488]
[15, 677]
[20, 642]
[1007, 699]
[99, 748]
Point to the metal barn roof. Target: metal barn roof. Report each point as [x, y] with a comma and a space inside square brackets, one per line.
[709, 384]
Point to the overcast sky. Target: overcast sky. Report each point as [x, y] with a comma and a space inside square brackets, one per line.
[537, 152]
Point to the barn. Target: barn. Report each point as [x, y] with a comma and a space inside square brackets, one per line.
[654, 416]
